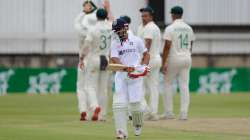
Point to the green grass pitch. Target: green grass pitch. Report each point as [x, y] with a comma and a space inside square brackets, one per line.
[56, 117]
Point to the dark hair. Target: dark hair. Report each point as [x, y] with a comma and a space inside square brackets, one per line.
[147, 9]
[126, 18]
[101, 14]
[177, 10]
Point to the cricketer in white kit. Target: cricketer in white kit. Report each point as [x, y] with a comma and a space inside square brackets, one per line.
[95, 55]
[151, 34]
[177, 62]
[127, 50]
[83, 22]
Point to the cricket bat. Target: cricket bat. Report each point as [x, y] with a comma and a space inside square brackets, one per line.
[119, 67]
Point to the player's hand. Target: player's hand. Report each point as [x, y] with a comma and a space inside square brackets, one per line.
[81, 65]
[106, 4]
[148, 69]
[139, 71]
[130, 69]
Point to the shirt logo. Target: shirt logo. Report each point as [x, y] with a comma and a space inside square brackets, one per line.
[122, 52]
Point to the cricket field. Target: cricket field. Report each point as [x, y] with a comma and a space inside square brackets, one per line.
[56, 117]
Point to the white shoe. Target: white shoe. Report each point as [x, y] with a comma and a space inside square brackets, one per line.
[137, 130]
[183, 116]
[167, 116]
[121, 135]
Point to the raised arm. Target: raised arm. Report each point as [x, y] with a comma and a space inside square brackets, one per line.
[107, 7]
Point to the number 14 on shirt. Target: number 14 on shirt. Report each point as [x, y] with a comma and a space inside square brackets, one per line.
[183, 38]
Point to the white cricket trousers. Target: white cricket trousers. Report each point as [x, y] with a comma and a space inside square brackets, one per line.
[92, 83]
[178, 67]
[128, 92]
[102, 94]
[80, 90]
[86, 93]
[81, 94]
[152, 84]
[97, 84]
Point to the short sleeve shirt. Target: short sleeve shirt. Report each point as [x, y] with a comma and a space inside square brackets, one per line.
[130, 51]
[181, 35]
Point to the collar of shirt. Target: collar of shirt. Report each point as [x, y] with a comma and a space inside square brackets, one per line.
[123, 42]
[178, 20]
[151, 22]
[100, 22]
[126, 41]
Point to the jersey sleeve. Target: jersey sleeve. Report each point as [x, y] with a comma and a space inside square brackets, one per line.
[167, 34]
[141, 46]
[148, 33]
[114, 51]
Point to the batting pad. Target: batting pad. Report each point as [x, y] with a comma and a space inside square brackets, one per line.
[120, 112]
[137, 114]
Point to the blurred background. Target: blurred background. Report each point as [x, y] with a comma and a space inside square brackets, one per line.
[37, 38]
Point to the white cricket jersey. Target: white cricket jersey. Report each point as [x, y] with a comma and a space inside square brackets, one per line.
[181, 35]
[129, 52]
[83, 22]
[151, 31]
[99, 38]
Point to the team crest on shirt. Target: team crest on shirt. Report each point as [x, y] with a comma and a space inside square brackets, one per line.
[122, 52]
